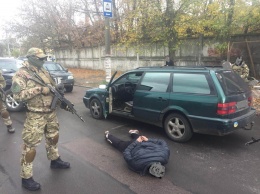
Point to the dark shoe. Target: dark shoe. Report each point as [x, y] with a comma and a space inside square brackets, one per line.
[10, 129]
[157, 170]
[58, 163]
[30, 184]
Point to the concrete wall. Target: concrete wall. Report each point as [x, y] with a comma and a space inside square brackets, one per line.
[121, 58]
[191, 52]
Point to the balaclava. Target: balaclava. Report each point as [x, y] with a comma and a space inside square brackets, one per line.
[36, 57]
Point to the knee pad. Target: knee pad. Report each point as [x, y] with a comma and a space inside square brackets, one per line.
[30, 155]
[55, 139]
[5, 114]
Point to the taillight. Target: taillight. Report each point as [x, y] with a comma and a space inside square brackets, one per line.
[226, 108]
[250, 101]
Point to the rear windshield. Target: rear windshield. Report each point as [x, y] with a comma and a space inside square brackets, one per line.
[8, 65]
[231, 82]
[53, 67]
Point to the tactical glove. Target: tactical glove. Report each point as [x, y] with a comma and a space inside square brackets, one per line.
[45, 90]
[65, 107]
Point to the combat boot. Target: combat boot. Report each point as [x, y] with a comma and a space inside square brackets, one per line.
[10, 129]
[58, 163]
[30, 184]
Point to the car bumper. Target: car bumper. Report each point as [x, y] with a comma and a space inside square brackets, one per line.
[65, 82]
[86, 101]
[218, 126]
[69, 82]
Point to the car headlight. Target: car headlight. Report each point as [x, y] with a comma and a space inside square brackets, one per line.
[70, 77]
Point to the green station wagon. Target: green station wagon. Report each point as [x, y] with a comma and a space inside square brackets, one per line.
[182, 100]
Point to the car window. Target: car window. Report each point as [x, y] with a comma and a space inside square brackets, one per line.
[19, 64]
[155, 82]
[8, 65]
[190, 83]
[130, 77]
[22, 58]
[231, 82]
[53, 67]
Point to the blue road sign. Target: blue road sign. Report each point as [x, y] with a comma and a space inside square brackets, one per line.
[107, 8]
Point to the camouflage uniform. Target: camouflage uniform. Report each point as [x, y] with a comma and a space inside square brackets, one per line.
[241, 70]
[40, 119]
[4, 113]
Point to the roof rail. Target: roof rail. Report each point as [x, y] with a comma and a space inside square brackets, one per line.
[173, 67]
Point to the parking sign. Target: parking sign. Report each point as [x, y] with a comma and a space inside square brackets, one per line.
[107, 8]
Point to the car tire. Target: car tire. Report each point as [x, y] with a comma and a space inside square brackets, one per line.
[96, 109]
[69, 89]
[11, 104]
[177, 128]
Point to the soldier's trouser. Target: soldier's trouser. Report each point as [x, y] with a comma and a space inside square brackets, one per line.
[5, 114]
[37, 124]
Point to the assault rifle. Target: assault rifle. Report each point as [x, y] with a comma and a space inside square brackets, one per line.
[57, 96]
[2, 94]
[252, 141]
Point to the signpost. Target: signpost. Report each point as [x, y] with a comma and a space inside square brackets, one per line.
[107, 9]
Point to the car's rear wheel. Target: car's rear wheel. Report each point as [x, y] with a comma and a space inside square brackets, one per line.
[69, 89]
[177, 128]
[96, 109]
[11, 103]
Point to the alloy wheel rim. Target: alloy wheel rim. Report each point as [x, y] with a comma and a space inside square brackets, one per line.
[176, 128]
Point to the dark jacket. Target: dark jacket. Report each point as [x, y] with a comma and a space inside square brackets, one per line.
[169, 63]
[140, 155]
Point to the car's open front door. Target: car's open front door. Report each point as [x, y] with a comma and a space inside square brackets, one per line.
[110, 99]
[110, 95]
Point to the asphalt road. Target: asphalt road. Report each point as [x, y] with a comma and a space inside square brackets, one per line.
[204, 165]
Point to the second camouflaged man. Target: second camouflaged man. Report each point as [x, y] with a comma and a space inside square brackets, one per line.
[241, 69]
[40, 118]
[3, 111]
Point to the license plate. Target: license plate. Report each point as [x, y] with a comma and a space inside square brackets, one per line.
[242, 105]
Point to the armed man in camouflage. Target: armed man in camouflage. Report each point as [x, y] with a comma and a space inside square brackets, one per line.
[40, 118]
[4, 113]
[241, 68]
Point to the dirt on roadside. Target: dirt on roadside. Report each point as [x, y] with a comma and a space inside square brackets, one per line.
[256, 100]
[89, 77]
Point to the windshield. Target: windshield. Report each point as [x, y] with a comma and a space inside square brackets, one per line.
[53, 67]
[231, 82]
[8, 65]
